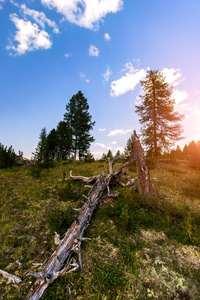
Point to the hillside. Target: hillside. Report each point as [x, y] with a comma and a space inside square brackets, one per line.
[140, 248]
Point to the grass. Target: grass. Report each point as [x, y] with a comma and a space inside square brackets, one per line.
[140, 248]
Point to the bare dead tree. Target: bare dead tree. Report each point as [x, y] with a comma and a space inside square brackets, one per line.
[145, 186]
[64, 259]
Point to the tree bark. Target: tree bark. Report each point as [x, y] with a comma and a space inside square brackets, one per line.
[145, 187]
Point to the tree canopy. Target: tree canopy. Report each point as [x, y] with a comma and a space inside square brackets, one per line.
[72, 135]
[78, 120]
[160, 123]
[7, 156]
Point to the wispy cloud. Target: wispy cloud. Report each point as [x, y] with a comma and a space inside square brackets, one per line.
[100, 145]
[107, 74]
[67, 55]
[93, 51]
[102, 129]
[119, 132]
[84, 13]
[172, 76]
[1, 6]
[107, 37]
[28, 37]
[82, 75]
[128, 82]
[40, 18]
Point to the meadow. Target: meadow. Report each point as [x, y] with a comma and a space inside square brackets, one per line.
[139, 247]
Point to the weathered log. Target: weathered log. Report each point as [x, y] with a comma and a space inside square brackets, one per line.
[84, 179]
[63, 261]
[145, 186]
[13, 278]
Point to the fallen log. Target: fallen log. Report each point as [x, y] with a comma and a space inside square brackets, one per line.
[67, 257]
[64, 259]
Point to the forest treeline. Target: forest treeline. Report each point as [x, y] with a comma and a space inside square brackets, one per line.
[160, 129]
[72, 136]
[190, 153]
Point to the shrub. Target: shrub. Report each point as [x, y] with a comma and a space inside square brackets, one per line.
[7, 156]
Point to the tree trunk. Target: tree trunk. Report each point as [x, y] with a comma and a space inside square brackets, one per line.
[145, 187]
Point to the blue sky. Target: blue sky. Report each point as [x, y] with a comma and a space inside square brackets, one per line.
[51, 49]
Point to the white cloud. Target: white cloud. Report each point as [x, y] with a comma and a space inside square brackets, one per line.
[194, 109]
[128, 82]
[133, 76]
[114, 143]
[118, 132]
[67, 55]
[28, 36]
[93, 51]
[97, 154]
[102, 129]
[100, 145]
[85, 13]
[82, 75]
[128, 67]
[172, 76]
[179, 96]
[1, 6]
[107, 74]
[40, 18]
[107, 36]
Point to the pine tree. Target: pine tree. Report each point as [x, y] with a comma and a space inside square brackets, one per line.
[78, 120]
[129, 150]
[64, 138]
[42, 152]
[194, 154]
[7, 156]
[52, 139]
[109, 154]
[160, 123]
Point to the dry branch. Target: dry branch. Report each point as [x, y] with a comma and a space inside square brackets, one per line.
[84, 179]
[13, 278]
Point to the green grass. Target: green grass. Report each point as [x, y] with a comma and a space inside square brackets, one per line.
[140, 248]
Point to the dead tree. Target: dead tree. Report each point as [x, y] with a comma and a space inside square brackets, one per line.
[145, 186]
[67, 256]
[63, 260]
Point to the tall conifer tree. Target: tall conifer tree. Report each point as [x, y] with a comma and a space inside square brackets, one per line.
[78, 120]
[160, 123]
[42, 151]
